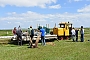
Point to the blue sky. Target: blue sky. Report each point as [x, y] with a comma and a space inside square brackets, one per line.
[32, 12]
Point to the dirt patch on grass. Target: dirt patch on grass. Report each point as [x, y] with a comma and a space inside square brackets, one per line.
[50, 43]
[4, 41]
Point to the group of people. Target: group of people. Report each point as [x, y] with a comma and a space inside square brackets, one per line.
[75, 34]
[30, 32]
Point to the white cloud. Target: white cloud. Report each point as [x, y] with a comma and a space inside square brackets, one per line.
[9, 22]
[33, 18]
[40, 20]
[18, 23]
[26, 3]
[51, 21]
[84, 9]
[55, 6]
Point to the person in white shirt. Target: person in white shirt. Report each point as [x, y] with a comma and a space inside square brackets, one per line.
[73, 34]
[25, 34]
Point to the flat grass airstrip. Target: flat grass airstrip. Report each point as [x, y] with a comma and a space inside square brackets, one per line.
[55, 50]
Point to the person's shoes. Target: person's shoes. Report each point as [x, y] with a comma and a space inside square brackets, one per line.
[30, 46]
[81, 41]
[29, 43]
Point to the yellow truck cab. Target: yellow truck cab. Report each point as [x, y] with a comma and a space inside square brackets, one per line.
[64, 31]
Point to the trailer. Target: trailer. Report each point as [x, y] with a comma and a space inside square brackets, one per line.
[27, 38]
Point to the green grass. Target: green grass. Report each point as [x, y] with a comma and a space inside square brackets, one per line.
[6, 33]
[63, 50]
[87, 30]
[4, 40]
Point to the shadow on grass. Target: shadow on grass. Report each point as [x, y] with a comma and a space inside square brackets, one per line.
[15, 42]
[72, 41]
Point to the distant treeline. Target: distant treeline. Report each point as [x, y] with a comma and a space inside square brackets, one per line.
[9, 32]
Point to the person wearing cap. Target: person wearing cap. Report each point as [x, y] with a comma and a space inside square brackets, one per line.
[82, 34]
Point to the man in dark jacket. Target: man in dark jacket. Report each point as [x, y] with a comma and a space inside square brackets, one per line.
[82, 34]
[19, 35]
[76, 35]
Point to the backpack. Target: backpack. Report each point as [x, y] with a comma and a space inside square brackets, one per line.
[32, 32]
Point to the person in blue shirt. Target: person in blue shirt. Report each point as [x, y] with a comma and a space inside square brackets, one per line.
[43, 36]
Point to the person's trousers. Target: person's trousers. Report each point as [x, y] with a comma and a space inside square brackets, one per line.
[82, 37]
[73, 38]
[31, 42]
[76, 38]
[19, 37]
[43, 40]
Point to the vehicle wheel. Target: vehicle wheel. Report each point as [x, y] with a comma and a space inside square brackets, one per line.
[11, 39]
[51, 33]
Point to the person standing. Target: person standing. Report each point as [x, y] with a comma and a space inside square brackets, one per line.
[19, 35]
[82, 34]
[76, 34]
[14, 31]
[35, 45]
[43, 36]
[31, 33]
[25, 34]
[73, 34]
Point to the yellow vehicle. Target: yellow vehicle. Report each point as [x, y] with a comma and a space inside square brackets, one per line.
[64, 31]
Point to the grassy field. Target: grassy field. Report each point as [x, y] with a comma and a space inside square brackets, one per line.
[9, 32]
[6, 33]
[62, 50]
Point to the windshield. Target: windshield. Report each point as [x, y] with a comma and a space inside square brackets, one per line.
[62, 25]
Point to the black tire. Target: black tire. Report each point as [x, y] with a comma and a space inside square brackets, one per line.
[51, 32]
